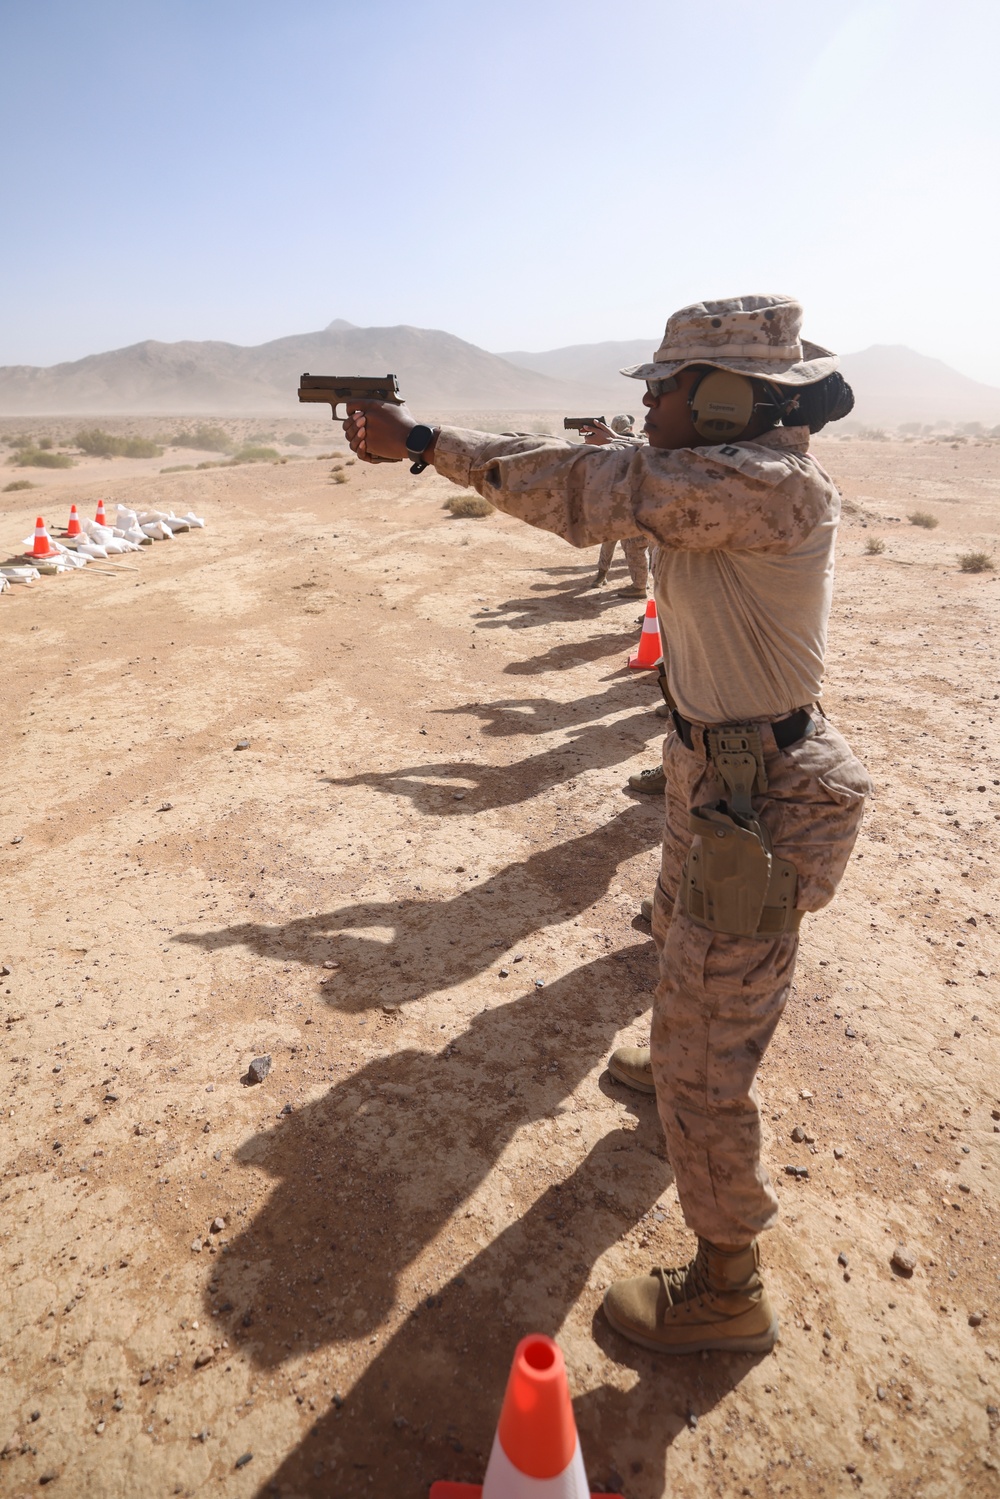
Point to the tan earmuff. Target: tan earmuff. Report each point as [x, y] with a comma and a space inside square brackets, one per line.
[721, 405]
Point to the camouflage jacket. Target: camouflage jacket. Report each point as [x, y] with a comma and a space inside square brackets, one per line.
[745, 537]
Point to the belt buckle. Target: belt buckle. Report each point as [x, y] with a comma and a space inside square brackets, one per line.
[738, 739]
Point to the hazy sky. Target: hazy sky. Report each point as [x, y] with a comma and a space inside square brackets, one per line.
[524, 174]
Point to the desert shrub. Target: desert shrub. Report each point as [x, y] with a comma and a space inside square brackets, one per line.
[257, 455]
[298, 439]
[22, 441]
[100, 444]
[873, 434]
[975, 562]
[874, 546]
[260, 438]
[97, 443]
[41, 458]
[923, 518]
[178, 468]
[472, 506]
[45, 443]
[19, 484]
[140, 447]
[206, 439]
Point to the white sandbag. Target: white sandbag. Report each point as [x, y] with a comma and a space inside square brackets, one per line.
[63, 563]
[18, 573]
[193, 520]
[94, 531]
[90, 549]
[157, 530]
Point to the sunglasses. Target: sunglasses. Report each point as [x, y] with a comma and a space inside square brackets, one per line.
[658, 388]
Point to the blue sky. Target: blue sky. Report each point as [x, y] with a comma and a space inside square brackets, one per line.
[524, 175]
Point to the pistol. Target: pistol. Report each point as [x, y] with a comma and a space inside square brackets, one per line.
[577, 423]
[336, 388]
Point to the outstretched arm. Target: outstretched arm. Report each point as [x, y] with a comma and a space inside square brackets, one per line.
[729, 498]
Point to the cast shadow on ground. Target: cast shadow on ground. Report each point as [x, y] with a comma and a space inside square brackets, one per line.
[576, 570]
[367, 1178]
[561, 601]
[438, 944]
[508, 717]
[572, 653]
[461, 788]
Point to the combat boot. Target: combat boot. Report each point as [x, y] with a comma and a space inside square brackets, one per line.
[717, 1303]
[633, 591]
[652, 782]
[631, 1065]
[600, 580]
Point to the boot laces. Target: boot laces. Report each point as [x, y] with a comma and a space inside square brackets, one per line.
[689, 1282]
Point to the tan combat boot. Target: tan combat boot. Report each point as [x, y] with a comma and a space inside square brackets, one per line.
[631, 591]
[631, 1065]
[600, 580]
[651, 782]
[717, 1303]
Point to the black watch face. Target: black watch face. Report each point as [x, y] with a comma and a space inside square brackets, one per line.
[419, 439]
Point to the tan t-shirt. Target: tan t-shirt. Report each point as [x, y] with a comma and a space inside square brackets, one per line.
[745, 538]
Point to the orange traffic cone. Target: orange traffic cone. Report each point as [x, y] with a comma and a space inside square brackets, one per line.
[100, 517]
[650, 646]
[43, 546]
[74, 528]
[536, 1451]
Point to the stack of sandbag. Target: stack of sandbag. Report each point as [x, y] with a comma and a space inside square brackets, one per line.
[155, 525]
[103, 541]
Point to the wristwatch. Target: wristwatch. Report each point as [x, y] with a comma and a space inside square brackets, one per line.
[418, 440]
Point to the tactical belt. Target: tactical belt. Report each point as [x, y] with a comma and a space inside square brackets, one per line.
[786, 731]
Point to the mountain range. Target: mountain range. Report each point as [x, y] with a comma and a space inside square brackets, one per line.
[437, 371]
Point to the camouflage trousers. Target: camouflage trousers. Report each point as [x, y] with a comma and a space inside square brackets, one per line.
[720, 997]
[634, 548]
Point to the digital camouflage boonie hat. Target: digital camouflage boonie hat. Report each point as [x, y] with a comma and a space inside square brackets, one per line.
[752, 335]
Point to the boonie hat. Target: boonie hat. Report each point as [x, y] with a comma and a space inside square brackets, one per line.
[752, 335]
[622, 424]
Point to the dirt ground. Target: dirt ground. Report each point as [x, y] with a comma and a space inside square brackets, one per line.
[416, 890]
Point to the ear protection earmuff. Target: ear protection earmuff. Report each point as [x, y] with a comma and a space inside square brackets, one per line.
[721, 405]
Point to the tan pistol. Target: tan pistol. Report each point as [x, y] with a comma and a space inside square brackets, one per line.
[347, 388]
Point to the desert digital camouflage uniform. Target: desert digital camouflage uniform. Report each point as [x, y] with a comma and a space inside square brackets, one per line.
[634, 547]
[636, 557]
[743, 580]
